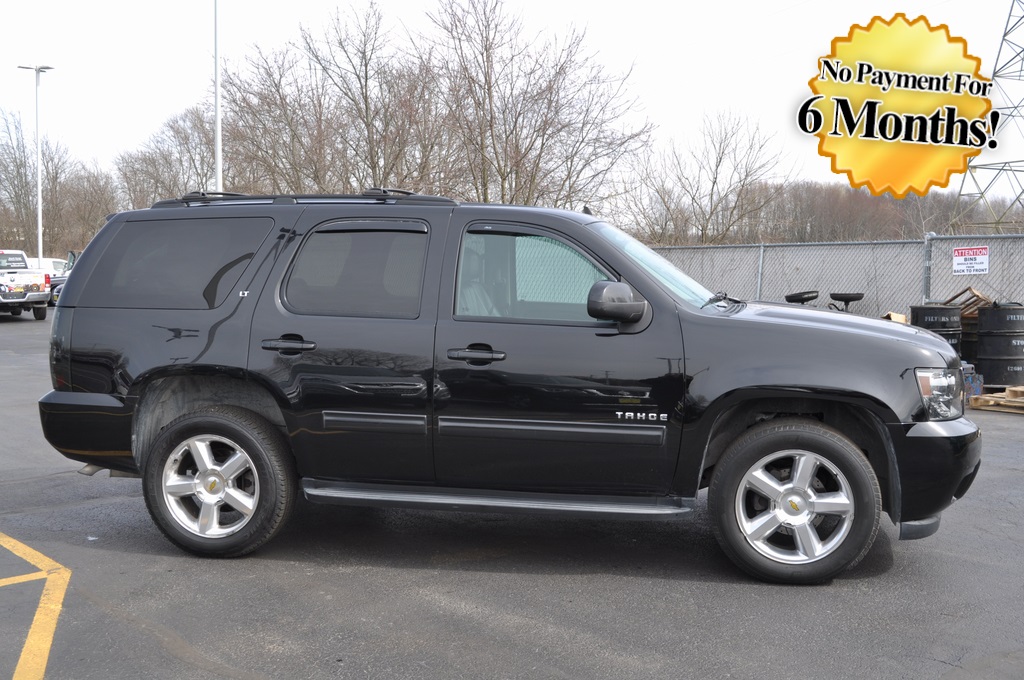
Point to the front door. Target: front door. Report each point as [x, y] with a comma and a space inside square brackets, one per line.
[532, 393]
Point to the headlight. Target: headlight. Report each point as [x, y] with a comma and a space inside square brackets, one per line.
[942, 391]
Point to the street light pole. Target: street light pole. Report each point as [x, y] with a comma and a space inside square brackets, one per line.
[39, 165]
[218, 162]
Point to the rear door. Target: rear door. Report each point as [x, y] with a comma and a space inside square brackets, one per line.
[533, 394]
[344, 333]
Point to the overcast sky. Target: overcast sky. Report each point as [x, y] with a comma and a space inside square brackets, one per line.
[123, 67]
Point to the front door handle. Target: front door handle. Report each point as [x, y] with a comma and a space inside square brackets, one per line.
[475, 355]
[289, 345]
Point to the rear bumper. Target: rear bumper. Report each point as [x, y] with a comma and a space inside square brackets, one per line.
[937, 463]
[27, 300]
[91, 428]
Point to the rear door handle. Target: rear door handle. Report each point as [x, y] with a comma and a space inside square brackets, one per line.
[473, 355]
[289, 345]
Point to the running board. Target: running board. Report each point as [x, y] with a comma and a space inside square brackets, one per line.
[477, 500]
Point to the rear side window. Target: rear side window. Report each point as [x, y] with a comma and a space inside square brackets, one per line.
[175, 264]
[360, 269]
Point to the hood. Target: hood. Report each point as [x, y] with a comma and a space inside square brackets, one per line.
[769, 346]
[828, 322]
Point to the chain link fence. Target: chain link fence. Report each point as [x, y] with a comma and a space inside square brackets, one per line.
[892, 275]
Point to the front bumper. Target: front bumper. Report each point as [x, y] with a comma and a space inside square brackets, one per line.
[937, 463]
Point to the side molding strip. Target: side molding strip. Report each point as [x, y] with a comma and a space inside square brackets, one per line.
[551, 430]
[385, 423]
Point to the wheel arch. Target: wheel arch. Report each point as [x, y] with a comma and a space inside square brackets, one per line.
[162, 398]
[861, 424]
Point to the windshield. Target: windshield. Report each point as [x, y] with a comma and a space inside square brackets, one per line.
[657, 266]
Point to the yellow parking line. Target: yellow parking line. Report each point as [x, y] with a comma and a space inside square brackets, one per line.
[36, 652]
[22, 579]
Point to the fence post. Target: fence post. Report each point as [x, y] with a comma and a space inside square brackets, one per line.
[760, 271]
[927, 294]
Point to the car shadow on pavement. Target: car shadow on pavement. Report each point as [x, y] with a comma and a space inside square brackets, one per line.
[112, 516]
[671, 549]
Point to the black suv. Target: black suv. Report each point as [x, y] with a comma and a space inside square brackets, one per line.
[405, 350]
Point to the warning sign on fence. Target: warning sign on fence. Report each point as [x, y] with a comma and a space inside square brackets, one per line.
[970, 260]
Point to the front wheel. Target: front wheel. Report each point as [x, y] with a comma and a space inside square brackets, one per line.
[219, 481]
[794, 501]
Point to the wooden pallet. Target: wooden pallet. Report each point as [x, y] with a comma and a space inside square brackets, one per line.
[1010, 401]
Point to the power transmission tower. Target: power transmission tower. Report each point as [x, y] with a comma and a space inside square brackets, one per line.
[992, 193]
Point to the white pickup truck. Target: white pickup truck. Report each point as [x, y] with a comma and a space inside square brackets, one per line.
[22, 288]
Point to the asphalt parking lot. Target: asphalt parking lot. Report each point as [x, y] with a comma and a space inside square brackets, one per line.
[89, 588]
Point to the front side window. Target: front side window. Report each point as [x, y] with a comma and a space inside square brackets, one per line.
[524, 277]
[348, 270]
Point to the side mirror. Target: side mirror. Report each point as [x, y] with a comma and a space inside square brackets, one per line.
[613, 301]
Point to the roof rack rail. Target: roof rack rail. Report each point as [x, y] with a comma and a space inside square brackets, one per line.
[381, 191]
[370, 195]
[211, 194]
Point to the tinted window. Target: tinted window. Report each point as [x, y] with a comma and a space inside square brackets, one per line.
[524, 276]
[344, 270]
[175, 264]
[657, 266]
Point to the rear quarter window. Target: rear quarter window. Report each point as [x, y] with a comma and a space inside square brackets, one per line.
[174, 264]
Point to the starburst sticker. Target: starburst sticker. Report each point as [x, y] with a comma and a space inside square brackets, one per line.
[899, 106]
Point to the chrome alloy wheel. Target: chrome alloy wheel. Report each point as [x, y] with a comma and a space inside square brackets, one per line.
[210, 486]
[794, 507]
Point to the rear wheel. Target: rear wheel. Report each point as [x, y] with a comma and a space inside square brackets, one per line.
[16, 311]
[39, 313]
[794, 501]
[219, 481]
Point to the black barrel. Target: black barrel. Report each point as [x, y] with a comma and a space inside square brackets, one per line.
[969, 338]
[941, 319]
[1001, 345]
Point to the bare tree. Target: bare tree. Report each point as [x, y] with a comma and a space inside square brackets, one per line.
[75, 200]
[89, 196]
[17, 185]
[717, 189]
[475, 109]
[536, 120]
[650, 205]
[284, 134]
[368, 79]
[936, 211]
[60, 171]
[176, 160]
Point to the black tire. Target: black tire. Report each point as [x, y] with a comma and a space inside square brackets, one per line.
[794, 501]
[219, 481]
[39, 313]
[16, 311]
